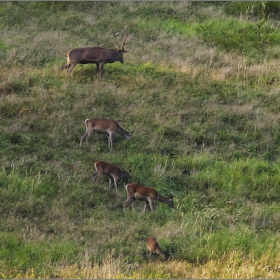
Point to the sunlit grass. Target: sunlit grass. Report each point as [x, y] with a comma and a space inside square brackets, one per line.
[204, 114]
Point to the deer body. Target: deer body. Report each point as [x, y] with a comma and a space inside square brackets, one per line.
[96, 55]
[142, 193]
[112, 171]
[104, 126]
[153, 247]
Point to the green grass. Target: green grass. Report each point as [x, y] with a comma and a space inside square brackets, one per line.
[241, 36]
[199, 90]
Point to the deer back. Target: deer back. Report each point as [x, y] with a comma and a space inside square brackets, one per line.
[107, 168]
[151, 244]
[141, 192]
[94, 55]
[153, 247]
[101, 125]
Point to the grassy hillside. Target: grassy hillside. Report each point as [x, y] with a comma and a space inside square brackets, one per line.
[200, 91]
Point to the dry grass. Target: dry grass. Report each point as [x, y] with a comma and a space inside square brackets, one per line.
[231, 266]
[110, 268]
[172, 91]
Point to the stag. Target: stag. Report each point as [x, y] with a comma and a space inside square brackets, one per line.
[97, 55]
[149, 195]
[104, 126]
[153, 247]
[112, 171]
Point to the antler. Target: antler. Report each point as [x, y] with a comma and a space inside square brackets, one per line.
[123, 43]
[115, 34]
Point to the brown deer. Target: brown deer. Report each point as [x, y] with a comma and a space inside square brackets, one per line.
[104, 126]
[153, 247]
[112, 171]
[97, 55]
[142, 193]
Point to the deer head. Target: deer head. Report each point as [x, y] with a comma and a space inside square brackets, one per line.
[120, 49]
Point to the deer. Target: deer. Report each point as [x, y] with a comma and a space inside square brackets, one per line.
[143, 193]
[153, 247]
[112, 171]
[97, 55]
[104, 126]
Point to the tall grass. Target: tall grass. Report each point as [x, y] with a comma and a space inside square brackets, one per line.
[199, 88]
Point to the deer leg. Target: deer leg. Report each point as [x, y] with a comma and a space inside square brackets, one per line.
[110, 182]
[149, 255]
[127, 200]
[88, 134]
[145, 206]
[96, 178]
[110, 140]
[151, 204]
[101, 70]
[82, 138]
[71, 67]
[116, 184]
[97, 67]
[132, 203]
[67, 65]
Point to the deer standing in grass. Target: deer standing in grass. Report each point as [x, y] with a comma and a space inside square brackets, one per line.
[142, 193]
[104, 126]
[112, 171]
[153, 247]
[97, 55]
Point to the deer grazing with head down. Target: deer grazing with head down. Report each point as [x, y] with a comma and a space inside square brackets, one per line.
[104, 126]
[153, 247]
[97, 55]
[112, 171]
[149, 195]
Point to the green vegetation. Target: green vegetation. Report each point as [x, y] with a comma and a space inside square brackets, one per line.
[200, 90]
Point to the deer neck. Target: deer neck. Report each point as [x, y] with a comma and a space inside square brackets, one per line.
[163, 199]
[123, 132]
[162, 255]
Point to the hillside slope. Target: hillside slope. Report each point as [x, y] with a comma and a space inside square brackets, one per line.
[200, 91]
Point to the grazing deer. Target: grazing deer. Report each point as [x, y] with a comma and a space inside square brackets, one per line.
[113, 171]
[153, 247]
[104, 126]
[142, 193]
[96, 55]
